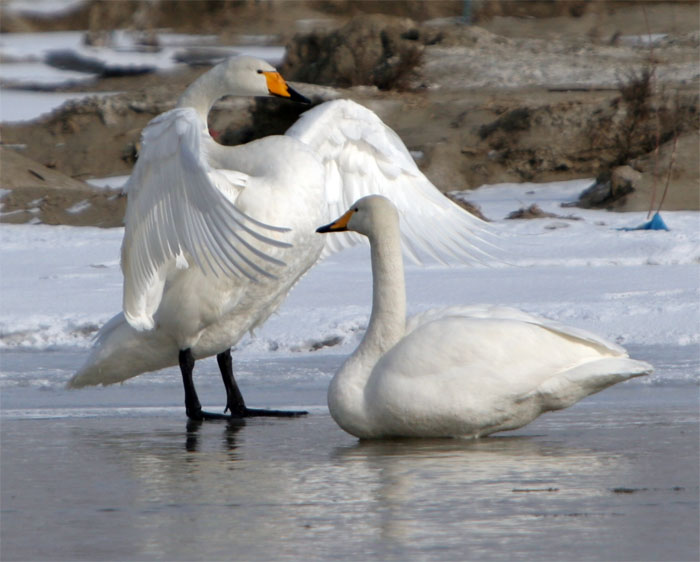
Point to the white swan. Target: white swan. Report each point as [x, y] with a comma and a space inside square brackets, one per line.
[462, 371]
[201, 268]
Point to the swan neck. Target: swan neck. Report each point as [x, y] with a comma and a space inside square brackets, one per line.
[387, 323]
[202, 94]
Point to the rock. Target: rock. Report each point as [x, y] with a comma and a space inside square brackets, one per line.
[535, 212]
[66, 59]
[624, 179]
[609, 188]
[532, 212]
[514, 120]
[370, 49]
[628, 188]
[593, 196]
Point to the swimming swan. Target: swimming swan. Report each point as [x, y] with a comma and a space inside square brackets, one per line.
[216, 236]
[461, 371]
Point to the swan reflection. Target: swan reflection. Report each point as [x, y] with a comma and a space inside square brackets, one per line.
[218, 486]
[483, 484]
[229, 431]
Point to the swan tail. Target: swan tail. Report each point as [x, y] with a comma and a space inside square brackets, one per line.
[121, 352]
[567, 388]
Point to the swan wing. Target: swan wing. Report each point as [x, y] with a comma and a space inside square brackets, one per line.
[180, 207]
[493, 368]
[362, 156]
[508, 313]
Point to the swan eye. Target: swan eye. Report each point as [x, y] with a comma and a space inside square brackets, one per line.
[260, 71]
[356, 210]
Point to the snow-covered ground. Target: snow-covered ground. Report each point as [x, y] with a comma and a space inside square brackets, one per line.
[44, 7]
[24, 64]
[639, 288]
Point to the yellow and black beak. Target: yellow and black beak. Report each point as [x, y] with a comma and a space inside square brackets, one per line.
[277, 86]
[339, 225]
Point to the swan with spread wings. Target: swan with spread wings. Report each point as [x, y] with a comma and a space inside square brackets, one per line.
[216, 236]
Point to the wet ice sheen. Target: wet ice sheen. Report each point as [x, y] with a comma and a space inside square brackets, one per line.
[118, 473]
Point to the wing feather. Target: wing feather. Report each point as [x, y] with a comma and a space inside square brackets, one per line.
[178, 205]
[363, 156]
[507, 313]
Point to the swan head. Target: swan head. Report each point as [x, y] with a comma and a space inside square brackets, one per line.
[365, 216]
[250, 76]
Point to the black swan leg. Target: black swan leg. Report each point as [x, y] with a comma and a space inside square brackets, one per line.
[192, 404]
[234, 399]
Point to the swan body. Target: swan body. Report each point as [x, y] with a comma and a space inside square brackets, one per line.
[217, 236]
[461, 371]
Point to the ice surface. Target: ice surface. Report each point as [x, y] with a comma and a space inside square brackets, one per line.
[639, 288]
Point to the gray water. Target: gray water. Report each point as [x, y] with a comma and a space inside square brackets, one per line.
[118, 473]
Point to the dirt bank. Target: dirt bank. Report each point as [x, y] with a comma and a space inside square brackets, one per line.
[514, 99]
